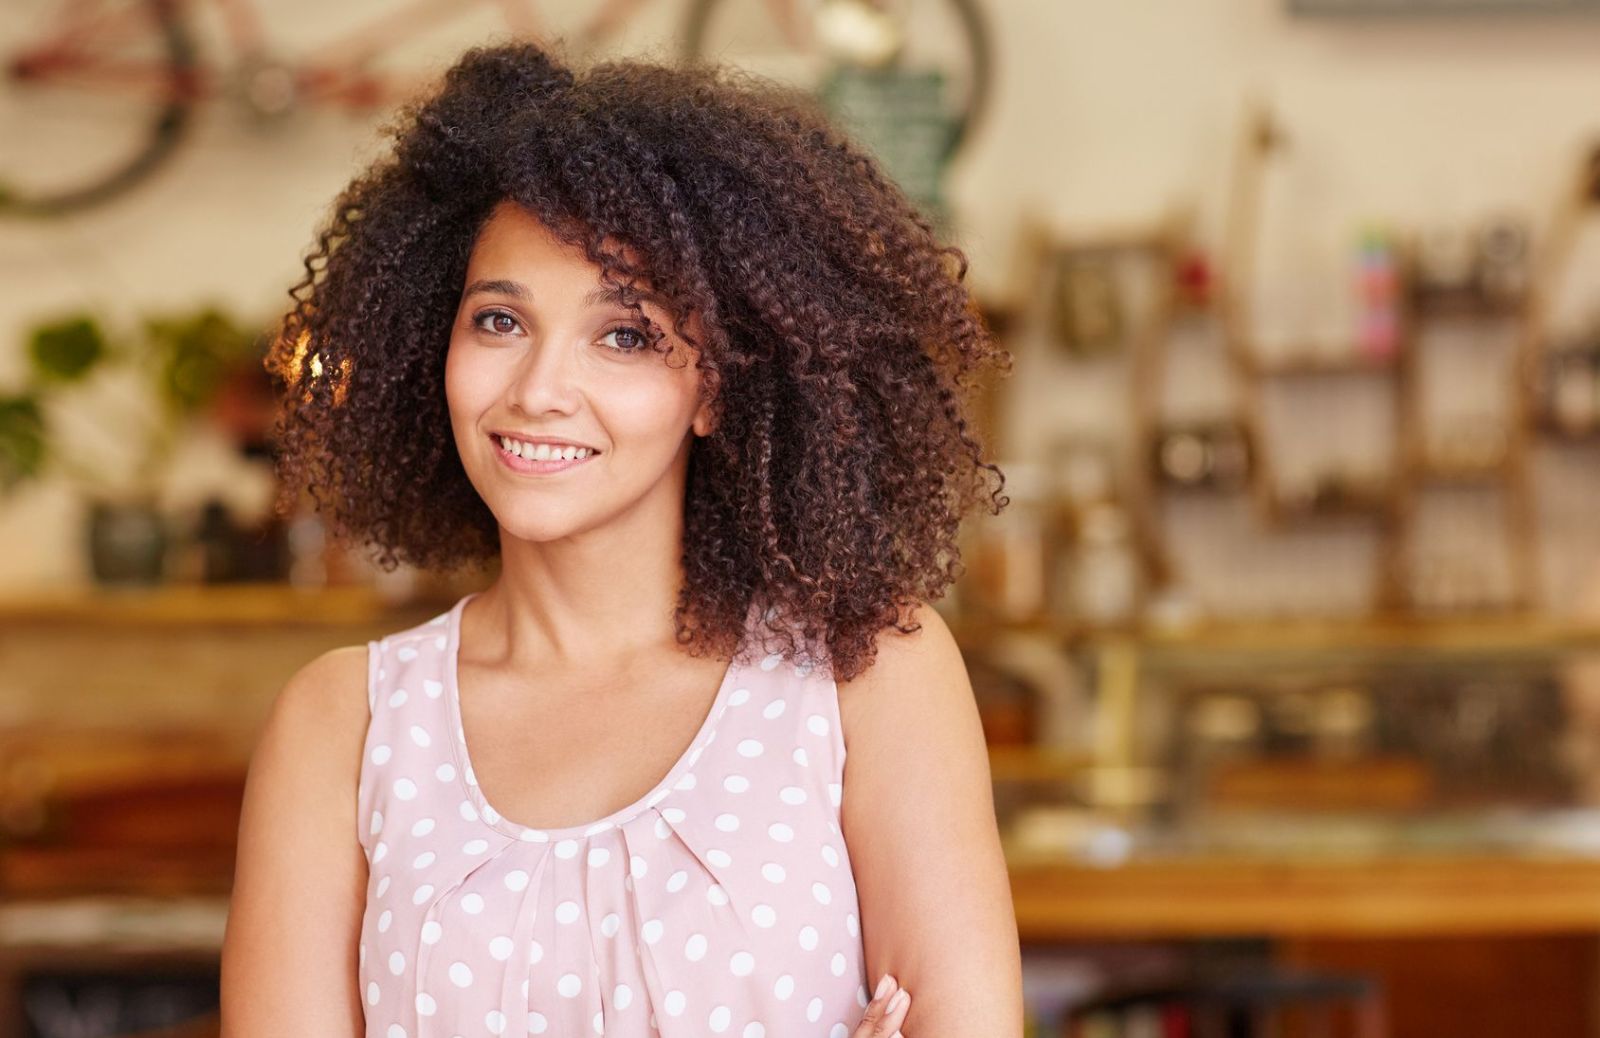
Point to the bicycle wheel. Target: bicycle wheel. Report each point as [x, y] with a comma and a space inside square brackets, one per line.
[95, 95]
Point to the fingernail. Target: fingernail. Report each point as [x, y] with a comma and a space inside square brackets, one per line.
[883, 986]
[900, 998]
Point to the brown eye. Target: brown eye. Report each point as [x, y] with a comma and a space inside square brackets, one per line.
[501, 323]
[629, 339]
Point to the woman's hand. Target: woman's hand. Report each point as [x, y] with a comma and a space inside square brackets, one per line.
[886, 1012]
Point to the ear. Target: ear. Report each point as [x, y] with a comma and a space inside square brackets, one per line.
[703, 422]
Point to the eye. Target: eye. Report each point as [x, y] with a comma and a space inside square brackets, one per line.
[496, 316]
[631, 339]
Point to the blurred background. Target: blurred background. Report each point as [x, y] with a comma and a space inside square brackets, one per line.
[1287, 647]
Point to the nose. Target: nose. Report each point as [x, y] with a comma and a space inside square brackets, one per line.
[544, 380]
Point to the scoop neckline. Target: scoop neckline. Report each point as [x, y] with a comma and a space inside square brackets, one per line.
[463, 755]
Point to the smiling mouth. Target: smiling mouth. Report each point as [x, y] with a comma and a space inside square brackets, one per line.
[542, 451]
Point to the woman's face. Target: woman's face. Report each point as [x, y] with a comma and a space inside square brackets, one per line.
[539, 356]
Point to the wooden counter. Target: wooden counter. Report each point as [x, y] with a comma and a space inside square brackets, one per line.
[1382, 897]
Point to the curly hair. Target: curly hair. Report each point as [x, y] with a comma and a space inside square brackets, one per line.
[840, 342]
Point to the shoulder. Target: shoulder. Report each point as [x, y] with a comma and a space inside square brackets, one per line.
[317, 721]
[922, 667]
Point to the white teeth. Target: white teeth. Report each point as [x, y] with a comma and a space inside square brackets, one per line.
[543, 451]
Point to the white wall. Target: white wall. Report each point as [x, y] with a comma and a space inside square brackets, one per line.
[1104, 113]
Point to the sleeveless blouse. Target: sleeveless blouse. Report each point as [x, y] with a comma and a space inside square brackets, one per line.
[722, 902]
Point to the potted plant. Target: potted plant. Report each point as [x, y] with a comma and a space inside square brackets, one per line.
[107, 414]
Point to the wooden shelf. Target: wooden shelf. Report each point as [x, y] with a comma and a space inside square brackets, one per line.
[213, 605]
[1312, 365]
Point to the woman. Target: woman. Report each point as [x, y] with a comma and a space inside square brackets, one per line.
[681, 360]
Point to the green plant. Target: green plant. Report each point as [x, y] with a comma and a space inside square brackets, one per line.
[175, 362]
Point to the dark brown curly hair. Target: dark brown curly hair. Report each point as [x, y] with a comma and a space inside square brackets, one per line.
[840, 343]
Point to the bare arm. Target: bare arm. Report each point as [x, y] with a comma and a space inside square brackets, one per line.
[918, 815]
[294, 919]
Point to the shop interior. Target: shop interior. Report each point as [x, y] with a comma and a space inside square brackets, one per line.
[1286, 647]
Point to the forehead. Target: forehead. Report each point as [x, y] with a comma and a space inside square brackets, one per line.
[514, 234]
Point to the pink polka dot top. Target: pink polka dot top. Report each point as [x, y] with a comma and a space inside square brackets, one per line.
[722, 902]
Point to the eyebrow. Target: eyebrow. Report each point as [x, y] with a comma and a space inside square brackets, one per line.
[517, 290]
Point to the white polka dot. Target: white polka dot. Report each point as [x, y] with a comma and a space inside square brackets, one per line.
[598, 1023]
[830, 855]
[694, 949]
[836, 964]
[469, 812]
[472, 904]
[736, 783]
[719, 857]
[780, 832]
[622, 997]
[384, 920]
[396, 1031]
[727, 822]
[673, 814]
[377, 823]
[637, 866]
[792, 795]
[740, 697]
[771, 662]
[516, 880]
[610, 924]
[432, 688]
[720, 1018]
[598, 856]
[741, 964]
[420, 736]
[651, 931]
[398, 697]
[755, 1029]
[566, 912]
[821, 892]
[687, 782]
[567, 849]
[495, 1021]
[773, 872]
[383, 885]
[569, 985]
[372, 993]
[763, 915]
[675, 1003]
[750, 748]
[662, 829]
[426, 1006]
[814, 1009]
[534, 836]
[474, 846]
[800, 757]
[490, 815]
[397, 963]
[445, 772]
[808, 938]
[423, 860]
[535, 952]
[501, 948]
[839, 1030]
[852, 925]
[431, 932]
[816, 724]
[676, 881]
[784, 987]
[460, 974]
[537, 1024]
[422, 894]
[423, 827]
[774, 709]
[380, 852]
[835, 792]
[405, 789]
[717, 894]
[406, 653]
